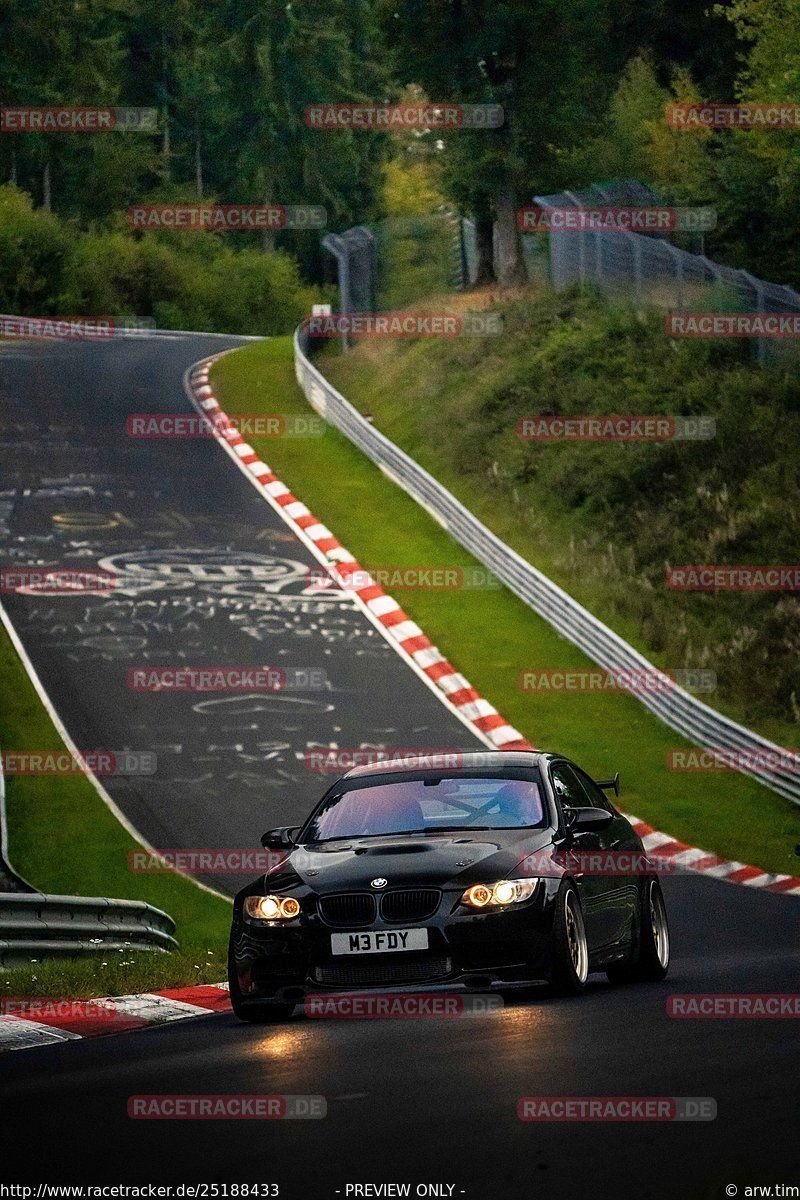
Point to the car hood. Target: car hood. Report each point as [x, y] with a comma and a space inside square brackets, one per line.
[431, 859]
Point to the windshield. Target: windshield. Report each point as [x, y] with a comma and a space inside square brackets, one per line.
[427, 804]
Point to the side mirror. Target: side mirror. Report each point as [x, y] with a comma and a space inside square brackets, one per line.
[609, 785]
[585, 820]
[280, 838]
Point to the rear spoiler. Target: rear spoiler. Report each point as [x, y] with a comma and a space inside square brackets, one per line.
[609, 785]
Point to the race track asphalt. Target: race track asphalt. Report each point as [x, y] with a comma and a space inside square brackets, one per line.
[207, 575]
[416, 1101]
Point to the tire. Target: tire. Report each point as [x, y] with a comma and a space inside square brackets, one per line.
[649, 960]
[262, 1013]
[570, 948]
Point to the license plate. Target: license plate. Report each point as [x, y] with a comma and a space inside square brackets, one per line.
[380, 941]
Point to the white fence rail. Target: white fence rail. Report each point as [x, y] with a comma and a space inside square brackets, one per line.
[674, 706]
[35, 926]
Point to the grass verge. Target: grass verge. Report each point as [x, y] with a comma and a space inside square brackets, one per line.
[64, 840]
[603, 519]
[491, 636]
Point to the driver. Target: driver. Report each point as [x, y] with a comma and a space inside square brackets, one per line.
[519, 803]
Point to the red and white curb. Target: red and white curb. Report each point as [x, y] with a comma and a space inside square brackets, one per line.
[690, 858]
[409, 640]
[402, 633]
[42, 1022]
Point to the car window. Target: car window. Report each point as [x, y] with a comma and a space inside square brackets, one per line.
[597, 798]
[458, 802]
[567, 787]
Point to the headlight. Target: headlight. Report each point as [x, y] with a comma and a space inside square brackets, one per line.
[505, 891]
[271, 908]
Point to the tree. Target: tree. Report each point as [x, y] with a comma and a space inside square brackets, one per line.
[275, 60]
[61, 52]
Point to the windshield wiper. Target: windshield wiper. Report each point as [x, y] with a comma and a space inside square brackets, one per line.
[452, 828]
[347, 837]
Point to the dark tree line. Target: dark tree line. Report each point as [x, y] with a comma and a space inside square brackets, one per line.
[231, 80]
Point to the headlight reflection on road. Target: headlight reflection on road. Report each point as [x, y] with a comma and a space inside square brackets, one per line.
[280, 1045]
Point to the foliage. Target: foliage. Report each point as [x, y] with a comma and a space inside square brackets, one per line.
[195, 281]
[606, 519]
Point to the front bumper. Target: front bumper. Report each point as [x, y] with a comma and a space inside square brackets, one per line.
[478, 950]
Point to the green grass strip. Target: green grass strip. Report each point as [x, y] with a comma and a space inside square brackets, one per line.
[65, 840]
[491, 636]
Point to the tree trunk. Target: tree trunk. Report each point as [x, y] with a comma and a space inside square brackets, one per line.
[267, 238]
[166, 149]
[47, 203]
[508, 260]
[267, 235]
[483, 239]
[198, 164]
[165, 138]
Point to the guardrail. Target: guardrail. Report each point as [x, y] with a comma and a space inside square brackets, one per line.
[675, 707]
[36, 926]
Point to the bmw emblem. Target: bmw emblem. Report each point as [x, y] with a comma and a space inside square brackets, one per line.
[379, 882]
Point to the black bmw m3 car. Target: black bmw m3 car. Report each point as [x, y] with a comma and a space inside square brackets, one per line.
[492, 871]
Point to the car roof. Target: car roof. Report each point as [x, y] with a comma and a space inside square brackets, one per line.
[451, 762]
